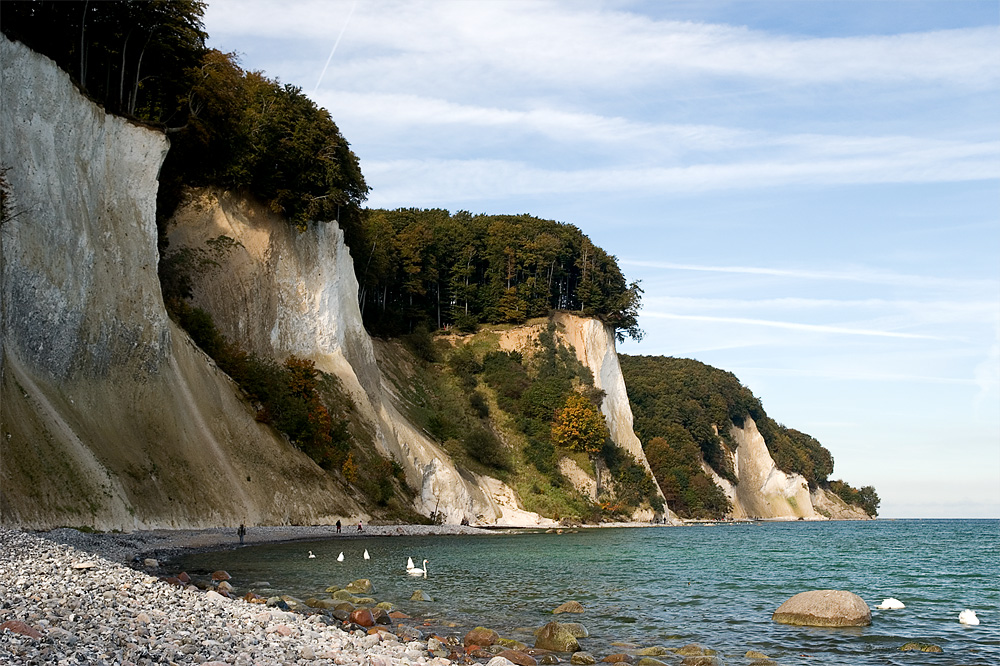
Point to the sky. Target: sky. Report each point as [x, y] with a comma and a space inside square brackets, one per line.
[808, 191]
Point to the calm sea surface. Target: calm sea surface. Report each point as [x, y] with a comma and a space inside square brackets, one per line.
[713, 585]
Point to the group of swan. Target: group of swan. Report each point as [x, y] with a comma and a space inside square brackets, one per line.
[340, 558]
[965, 617]
[414, 570]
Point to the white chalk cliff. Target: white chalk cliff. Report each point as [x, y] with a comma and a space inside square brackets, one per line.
[764, 491]
[109, 415]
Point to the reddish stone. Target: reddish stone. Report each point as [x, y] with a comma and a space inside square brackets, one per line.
[19, 627]
[396, 615]
[477, 652]
[519, 658]
[619, 658]
[172, 580]
[220, 575]
[362, 617]
[481, 636]
[183, 577]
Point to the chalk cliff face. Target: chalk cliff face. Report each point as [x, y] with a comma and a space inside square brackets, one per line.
[109, 416]
[287, 292]
[764, 491]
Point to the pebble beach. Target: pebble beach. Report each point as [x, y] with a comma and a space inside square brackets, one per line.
[66, 604]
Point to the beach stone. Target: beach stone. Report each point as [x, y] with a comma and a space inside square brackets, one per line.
[219, 575]
[332, 589]
[499, 661]
[398, 615]
[576, 629]
[341, 614]
[700, 660]
[420, 595]
[512, 644]
[21, 627]
[387, 606]
[381, 617]
[650, 661]
[569, 607]
[150, 563]
[548, 660]
[293, 603]
[362, 601]
[408, 634]
[214, 597]
[583, 659]
[519, 658]
[342, 595]
[345, 606]
[920, 647]
[554, 636]
[481, 636]
[81, 566]
[362, 617]
[753, 654]
[360, 586]
[184, 577]
[693, 650]
[654, 651]
[223, 586]
[824, 608]
[619, 658]
[437, 648]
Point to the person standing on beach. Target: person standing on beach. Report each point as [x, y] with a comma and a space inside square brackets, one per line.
[359, 526]
[338, 525]
[242, 532]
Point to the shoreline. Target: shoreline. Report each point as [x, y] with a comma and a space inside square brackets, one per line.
[66, 603]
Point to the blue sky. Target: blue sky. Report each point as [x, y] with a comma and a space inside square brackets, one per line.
[809, 191]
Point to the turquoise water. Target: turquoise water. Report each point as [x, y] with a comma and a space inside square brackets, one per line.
[713, 585]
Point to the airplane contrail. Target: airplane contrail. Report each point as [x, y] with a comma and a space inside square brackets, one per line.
[334, 49]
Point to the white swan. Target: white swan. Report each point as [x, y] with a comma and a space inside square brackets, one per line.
[367, 556]
[968, 617]
[891, 604]
[415, 571]
[409, 564]
[311, 556]
[340, 558]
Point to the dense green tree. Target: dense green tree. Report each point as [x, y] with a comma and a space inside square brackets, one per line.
[457, 270]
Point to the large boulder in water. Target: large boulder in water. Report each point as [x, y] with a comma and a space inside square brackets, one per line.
[557, 638]
[824, 608]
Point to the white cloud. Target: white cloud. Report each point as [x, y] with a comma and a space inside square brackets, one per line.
[576, 44]
[790, 325]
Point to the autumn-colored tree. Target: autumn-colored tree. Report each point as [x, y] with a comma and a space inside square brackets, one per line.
[579, 426]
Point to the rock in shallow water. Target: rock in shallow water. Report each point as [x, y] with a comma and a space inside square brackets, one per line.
[920, 647]
[554, 636]
[824, 608]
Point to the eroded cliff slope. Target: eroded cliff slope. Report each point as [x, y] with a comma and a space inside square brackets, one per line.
[110, 417]
[283, 292]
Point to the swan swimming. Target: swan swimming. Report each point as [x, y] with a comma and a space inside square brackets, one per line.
[968, 617]
[340, 558]
[890, 604]
[311, 556]
[415, 571]
[367, 556]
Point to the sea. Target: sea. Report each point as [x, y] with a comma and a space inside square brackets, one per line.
[715, 585]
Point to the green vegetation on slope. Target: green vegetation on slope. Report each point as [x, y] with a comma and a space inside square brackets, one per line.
[432, 267]
[494, 411]
[680, 404]
[311, 408]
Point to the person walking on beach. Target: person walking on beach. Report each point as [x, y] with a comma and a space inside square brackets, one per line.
[242, 532]
[338, 525]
